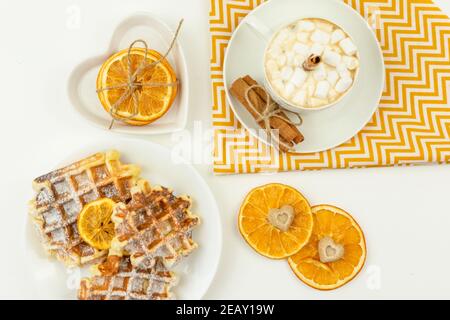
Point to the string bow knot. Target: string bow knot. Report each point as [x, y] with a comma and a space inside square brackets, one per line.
[272, 110]
[132, 85]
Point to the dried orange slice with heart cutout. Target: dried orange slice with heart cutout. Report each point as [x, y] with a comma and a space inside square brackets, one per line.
[335, 253]
[275, 220]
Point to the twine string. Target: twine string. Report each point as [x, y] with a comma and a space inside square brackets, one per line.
[131, 85]
[272, 110]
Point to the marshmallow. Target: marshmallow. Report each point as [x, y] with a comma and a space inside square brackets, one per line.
[274, 52]
[305, 25]
[317, 49]
[343, 71]
[320, 37]
[350, 62]
[289, 42]
[324, 26]
[311, 88]
[275, 75]
[281, 60]
[343, 85]
[302, 49]
[278, 84]
[322, 89]
[288, 90]
[271, 65]
[332, 77]
[300, 98]
[310, 81]
[286, 73]
[333, 94]
[303, 37]
[299, 77]
[320, 73]
[337, 49]
[332, 58]
[290, 57]
[345, 74]
[281, 37]
[299, 60]
[337, 36]
[341, 67]
[348, 46]
[314, 102]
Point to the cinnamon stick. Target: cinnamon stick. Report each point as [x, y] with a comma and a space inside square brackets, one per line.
[288, 133]
[238, 89]
[291, 133]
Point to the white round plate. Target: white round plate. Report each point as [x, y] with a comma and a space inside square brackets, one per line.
[49, 279]
[82, 81]
[322, 129]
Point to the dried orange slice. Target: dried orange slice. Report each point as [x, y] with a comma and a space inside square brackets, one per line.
[335, 253]
[275, 220]
[95, 225]
[153, 101]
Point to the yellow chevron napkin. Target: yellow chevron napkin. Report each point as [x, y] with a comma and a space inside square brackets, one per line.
[412, 124]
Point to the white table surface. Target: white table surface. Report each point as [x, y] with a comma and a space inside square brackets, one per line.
[404, 212]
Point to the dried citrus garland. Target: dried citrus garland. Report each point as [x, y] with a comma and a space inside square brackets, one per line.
[324, 245]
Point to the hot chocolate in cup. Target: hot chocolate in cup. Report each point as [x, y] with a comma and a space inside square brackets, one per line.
[309, 64]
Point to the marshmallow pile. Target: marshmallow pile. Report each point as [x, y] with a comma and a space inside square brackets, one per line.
[332, 77]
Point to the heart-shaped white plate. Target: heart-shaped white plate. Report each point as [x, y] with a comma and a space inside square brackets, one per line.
[82, 81]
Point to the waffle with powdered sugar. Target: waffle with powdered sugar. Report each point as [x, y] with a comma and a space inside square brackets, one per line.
[129, 283]
[155, 224]
[61, 195]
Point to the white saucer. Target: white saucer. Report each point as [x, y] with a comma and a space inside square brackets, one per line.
[49, 279]
[82, 81]
[322, 129]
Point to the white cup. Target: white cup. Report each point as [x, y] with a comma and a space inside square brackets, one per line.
[266, 34]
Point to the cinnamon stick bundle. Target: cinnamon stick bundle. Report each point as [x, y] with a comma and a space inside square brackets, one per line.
[288, 133]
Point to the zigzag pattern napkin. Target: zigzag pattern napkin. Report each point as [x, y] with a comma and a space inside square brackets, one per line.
[412, 124]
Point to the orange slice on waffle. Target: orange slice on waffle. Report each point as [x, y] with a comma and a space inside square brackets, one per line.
[275, 220]
[95, 225]
[335, 253]
[153, 101]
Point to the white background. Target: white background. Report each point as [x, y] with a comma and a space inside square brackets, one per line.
[404, 212]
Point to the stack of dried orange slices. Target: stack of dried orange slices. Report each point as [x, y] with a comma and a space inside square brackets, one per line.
[324, 245]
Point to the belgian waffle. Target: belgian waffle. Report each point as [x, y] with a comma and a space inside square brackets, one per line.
[129, 283]
[155, 224]
[61, 194]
